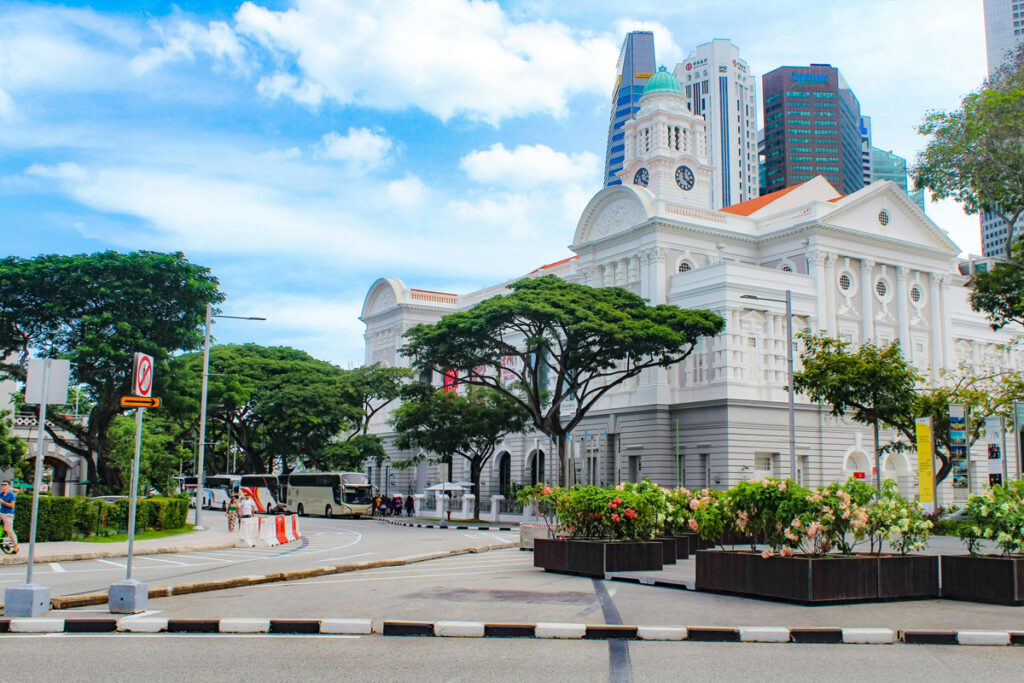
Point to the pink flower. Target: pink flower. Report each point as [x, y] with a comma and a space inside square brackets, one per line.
[694, 504]
[767, 553]
[693, 525]
[796, 523]
[791, 536]
[547, 491]
[846, 515]
[782, 486]
[788, 552]
[615, 518]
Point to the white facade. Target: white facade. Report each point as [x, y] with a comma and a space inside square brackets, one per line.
[867, 266]
[721, 87]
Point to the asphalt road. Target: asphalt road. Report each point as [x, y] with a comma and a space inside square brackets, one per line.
[375, 658]
[327, 542]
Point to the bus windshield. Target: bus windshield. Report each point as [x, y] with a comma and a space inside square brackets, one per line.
[355, 479]
[358, 495]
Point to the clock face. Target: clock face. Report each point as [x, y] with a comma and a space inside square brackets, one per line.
[684, 177]
[642, 177]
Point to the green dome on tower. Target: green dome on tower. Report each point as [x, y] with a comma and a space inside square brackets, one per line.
[663, 81]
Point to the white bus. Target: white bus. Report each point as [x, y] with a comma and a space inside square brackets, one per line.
[217, 489]
[264, 490]
[331, 494]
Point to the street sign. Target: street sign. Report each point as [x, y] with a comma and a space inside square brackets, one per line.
[140, 402]
[142, 377]
[47, 381]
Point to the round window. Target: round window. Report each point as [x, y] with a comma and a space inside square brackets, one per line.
[845, 282]
[915, 294]
[881, 289]
[883, 217]
[685, 266]
[787, 268]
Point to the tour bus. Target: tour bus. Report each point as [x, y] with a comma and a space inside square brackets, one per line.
[264, 490]
[332, 494]
[217, 489]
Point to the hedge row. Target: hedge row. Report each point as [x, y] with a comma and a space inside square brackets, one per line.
[66, 519]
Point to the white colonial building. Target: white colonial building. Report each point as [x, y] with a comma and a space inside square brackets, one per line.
[866, 266]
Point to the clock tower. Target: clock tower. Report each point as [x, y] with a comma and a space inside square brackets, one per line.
[666, 146]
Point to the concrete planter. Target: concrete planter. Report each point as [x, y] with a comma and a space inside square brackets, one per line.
[818, 580]
[989, 578]
[529, 532]
[596, 558]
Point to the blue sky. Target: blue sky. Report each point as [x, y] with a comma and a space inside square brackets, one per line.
[302, 149]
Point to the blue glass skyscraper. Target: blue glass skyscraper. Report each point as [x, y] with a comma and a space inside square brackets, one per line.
[636, 65]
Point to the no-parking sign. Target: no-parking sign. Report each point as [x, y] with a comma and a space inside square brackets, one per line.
[142, 377]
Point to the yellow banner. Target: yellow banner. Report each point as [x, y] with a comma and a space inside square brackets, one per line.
[925, 460]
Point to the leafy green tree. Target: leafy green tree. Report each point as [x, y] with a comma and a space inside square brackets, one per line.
[160, 458]
[572, 345]
[96, 310]
[976, 153]
[875, 383]
[12, 449]
[450, 424]
[976, 156]
[879, 387]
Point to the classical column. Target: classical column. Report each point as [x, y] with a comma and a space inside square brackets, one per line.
[644, 273]
[867, 307]
[658, 257]
[816, 265]
[621, 272]
[938, 340]
[830, 295]
[633, 269]
[903, 312]
[948, 355]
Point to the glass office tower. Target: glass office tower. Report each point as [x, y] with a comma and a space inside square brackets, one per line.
[636, 66]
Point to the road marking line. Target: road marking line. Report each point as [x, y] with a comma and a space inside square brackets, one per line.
[113, 564]
[198, 557]
[391, 578]
[157, 559]
[346, 557]
[55, 566]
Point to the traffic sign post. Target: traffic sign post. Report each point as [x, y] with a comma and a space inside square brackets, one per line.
[131, 596]
[47, 382]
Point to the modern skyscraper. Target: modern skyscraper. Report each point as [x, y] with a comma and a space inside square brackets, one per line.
[865, 149]
[719, 86]
[890, 166]
[1004, 31]
[812, 127]
[635, 67]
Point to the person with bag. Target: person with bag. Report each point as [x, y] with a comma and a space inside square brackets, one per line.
[232, 513]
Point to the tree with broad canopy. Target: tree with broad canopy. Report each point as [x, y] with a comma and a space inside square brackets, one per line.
[570, 345]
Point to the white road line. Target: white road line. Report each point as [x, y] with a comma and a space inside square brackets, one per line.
[392, 578]
[55, 566]
[157, 559]
[113, 564]
[197, 557]
[320, 533]
[346, 557]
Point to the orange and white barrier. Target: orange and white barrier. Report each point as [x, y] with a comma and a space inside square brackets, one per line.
[249, 532]
[277, 529]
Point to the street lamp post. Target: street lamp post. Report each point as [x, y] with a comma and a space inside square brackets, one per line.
[789, 372]
[200, 475]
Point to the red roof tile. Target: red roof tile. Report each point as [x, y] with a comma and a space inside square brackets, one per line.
[752, 205]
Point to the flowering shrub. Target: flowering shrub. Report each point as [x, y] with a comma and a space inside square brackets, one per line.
[761, 509]
[630, 512]
[998, 515]
[711, 514]
[678, 516]
[902, 523]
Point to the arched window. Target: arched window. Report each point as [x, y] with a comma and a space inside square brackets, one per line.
[537, 467]
[505, 474]
[685, 266]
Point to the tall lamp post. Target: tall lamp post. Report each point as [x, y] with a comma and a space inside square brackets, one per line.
[200, 475]
[789, 372]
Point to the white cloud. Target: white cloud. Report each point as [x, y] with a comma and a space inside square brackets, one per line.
[389, 54]
[6, 106]
[407, 193]
[283, 154]
[361, 149]
[183, 40]
[529, 166]
[66, 170]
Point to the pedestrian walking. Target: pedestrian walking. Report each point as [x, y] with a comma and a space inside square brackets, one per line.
[396, 506]
[377, 503]
[245, 507]
[410, 506]
[7, 504]
[232, 512]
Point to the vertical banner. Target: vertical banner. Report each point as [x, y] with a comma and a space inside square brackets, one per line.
[994, 440]
[958, 451]
[925, 463]
[1018, 420]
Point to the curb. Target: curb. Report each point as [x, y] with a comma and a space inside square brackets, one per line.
[540, 630]
[101, 598]
[421, 525]
[104, 554]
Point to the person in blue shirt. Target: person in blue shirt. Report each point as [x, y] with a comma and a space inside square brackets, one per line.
[7, 498]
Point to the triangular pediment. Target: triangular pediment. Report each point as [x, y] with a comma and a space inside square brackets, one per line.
[884, 209]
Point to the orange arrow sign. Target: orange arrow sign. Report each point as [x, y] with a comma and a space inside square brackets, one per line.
[139, 402]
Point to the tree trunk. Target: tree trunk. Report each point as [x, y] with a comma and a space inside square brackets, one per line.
[474, 476]
[565, 458]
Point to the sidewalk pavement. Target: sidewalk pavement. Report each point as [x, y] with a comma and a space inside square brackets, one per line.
[66, 551]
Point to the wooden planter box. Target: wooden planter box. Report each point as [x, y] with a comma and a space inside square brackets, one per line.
[596, 558]
[989, 578]
[686, 545]
[670, 548]
[818, 580]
